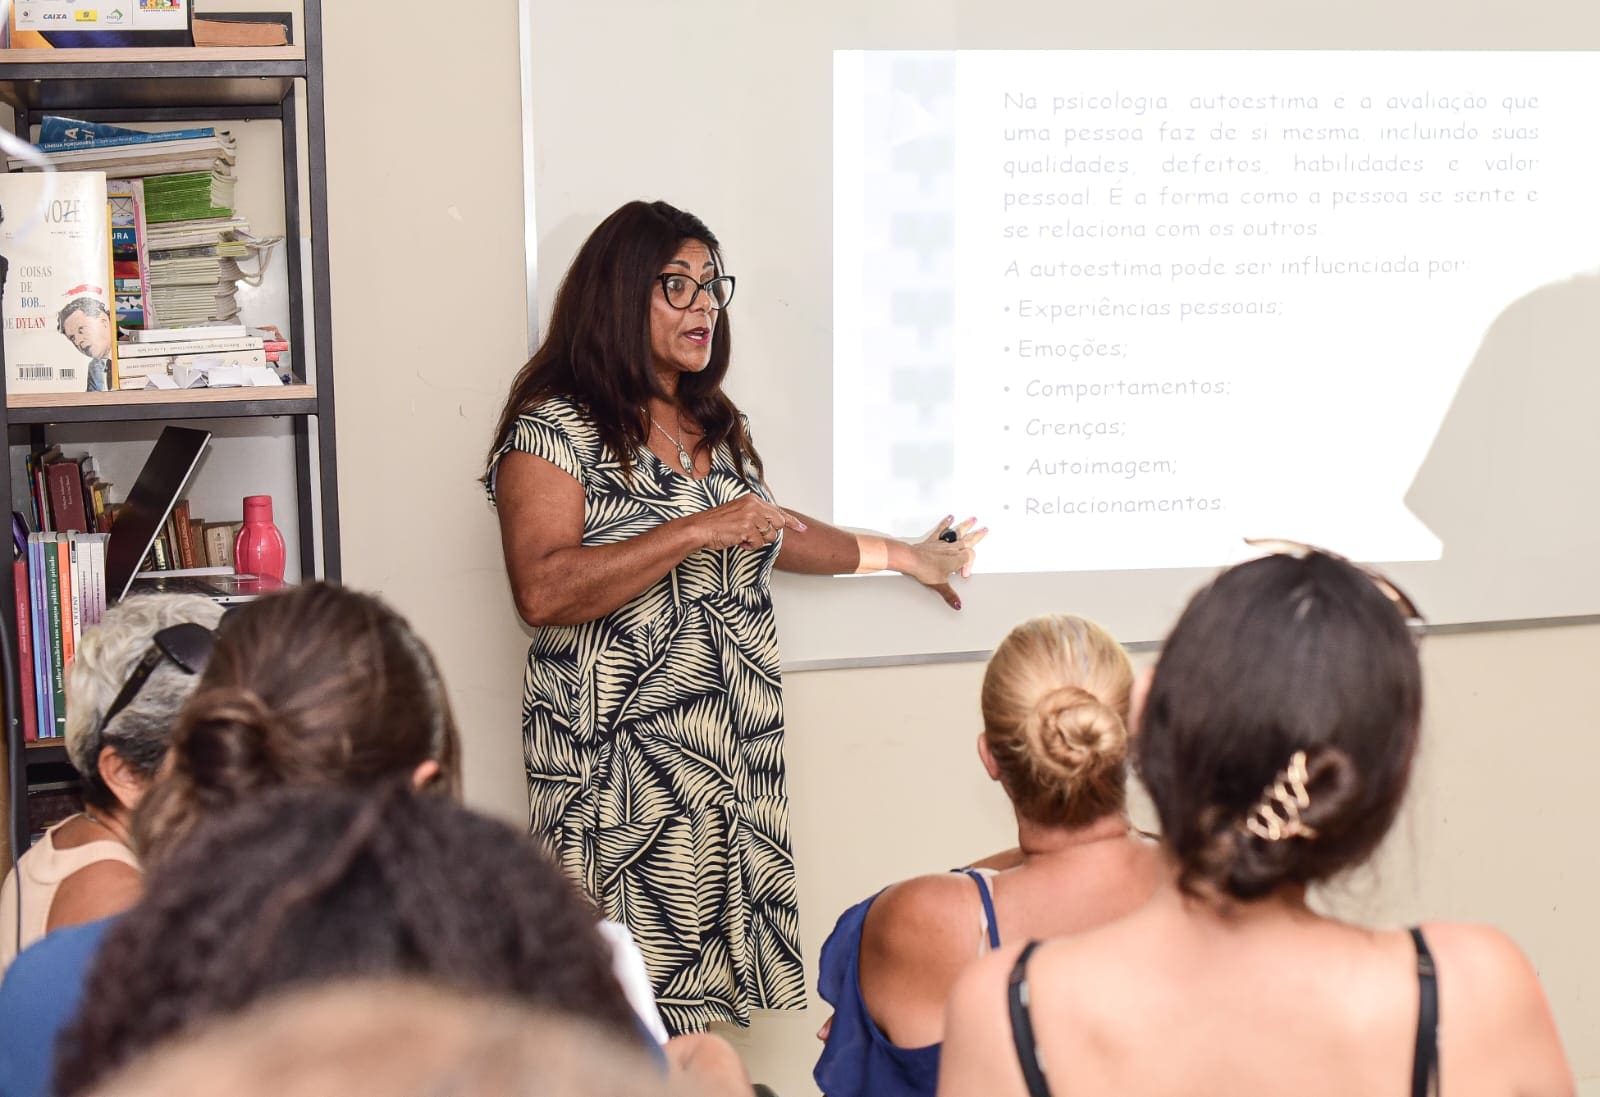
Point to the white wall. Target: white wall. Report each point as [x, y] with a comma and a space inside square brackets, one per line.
[425, 188]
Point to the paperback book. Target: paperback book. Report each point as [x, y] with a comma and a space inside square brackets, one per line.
[56, 283]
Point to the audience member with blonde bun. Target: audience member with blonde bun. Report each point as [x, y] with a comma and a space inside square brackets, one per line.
[1055, 737]
[396, 1038]
[1277, 741]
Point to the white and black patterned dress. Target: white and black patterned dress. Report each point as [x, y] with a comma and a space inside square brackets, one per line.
[653, 742]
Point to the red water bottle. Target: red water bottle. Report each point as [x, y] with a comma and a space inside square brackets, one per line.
[259, 548]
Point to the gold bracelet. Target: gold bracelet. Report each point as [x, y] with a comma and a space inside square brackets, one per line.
[873, 553]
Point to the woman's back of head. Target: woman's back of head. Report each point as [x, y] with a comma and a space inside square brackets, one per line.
[322, 884]
[1276, 743]
[1055, 709]
[1281, 725]
[108, 654]
[397, 1038]
[320, 685]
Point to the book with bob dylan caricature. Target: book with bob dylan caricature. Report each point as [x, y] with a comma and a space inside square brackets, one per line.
[56, 283]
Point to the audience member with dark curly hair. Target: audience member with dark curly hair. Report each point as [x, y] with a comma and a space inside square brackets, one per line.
[1277, 742]
[323, 884]
[318, 686]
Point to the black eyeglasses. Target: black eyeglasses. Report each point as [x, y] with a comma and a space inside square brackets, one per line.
[1300, 550]
[187, 645]
[680, 290]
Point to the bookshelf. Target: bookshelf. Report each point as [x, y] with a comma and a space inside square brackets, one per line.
[92, 407]
[200, 85]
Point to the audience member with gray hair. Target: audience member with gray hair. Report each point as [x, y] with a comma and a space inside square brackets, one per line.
[131, 676]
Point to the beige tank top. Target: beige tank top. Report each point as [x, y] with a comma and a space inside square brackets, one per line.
[43, 868]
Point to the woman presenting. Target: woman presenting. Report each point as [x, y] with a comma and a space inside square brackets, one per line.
[640, 539]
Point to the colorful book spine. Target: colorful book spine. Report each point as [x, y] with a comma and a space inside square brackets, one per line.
[52, 625]
[131, 255]
[68, 648]
[24, 591]
[41, 687]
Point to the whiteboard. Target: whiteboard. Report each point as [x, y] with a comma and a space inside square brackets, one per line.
[730, 114]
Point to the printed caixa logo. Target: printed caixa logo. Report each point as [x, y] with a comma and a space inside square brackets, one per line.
[53, 16]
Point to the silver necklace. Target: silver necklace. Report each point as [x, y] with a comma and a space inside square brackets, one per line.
[683, 455]
[104, 825]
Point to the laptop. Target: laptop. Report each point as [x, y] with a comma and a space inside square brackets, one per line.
[144, 515]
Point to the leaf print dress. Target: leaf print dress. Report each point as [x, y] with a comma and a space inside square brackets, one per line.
[653, 742]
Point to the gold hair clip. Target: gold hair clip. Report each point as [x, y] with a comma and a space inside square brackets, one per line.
[1287, 795]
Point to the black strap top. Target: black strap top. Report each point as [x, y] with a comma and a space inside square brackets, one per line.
[1424, 1063]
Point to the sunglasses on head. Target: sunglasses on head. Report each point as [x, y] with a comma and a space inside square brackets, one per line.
[1273, 546]
[187, 646]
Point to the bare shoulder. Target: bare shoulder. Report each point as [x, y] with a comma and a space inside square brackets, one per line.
[922, 916]
[1482, 957]
[1491, 993]
[95, 891]
[978, 1056]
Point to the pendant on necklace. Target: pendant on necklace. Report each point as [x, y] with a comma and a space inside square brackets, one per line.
[683, 459]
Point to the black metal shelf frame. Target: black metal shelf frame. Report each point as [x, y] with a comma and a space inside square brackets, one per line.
[201, 90]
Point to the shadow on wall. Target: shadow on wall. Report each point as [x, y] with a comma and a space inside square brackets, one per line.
[1512, 481]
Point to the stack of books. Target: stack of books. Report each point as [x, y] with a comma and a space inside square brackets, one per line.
[177, 240]
[59, 572]
[194, 269]
[61, 589]
[67, 493]
[71, 145]
[212, 355]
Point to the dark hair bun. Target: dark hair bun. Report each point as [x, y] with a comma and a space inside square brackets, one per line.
[230, 747]
[1235, 861]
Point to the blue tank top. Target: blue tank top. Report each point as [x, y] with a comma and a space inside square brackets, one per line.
[858, 1058]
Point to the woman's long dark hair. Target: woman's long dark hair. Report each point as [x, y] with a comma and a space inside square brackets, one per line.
[596, 348]
[1277, 656]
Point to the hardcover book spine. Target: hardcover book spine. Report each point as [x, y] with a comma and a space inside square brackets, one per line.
[65, 479]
